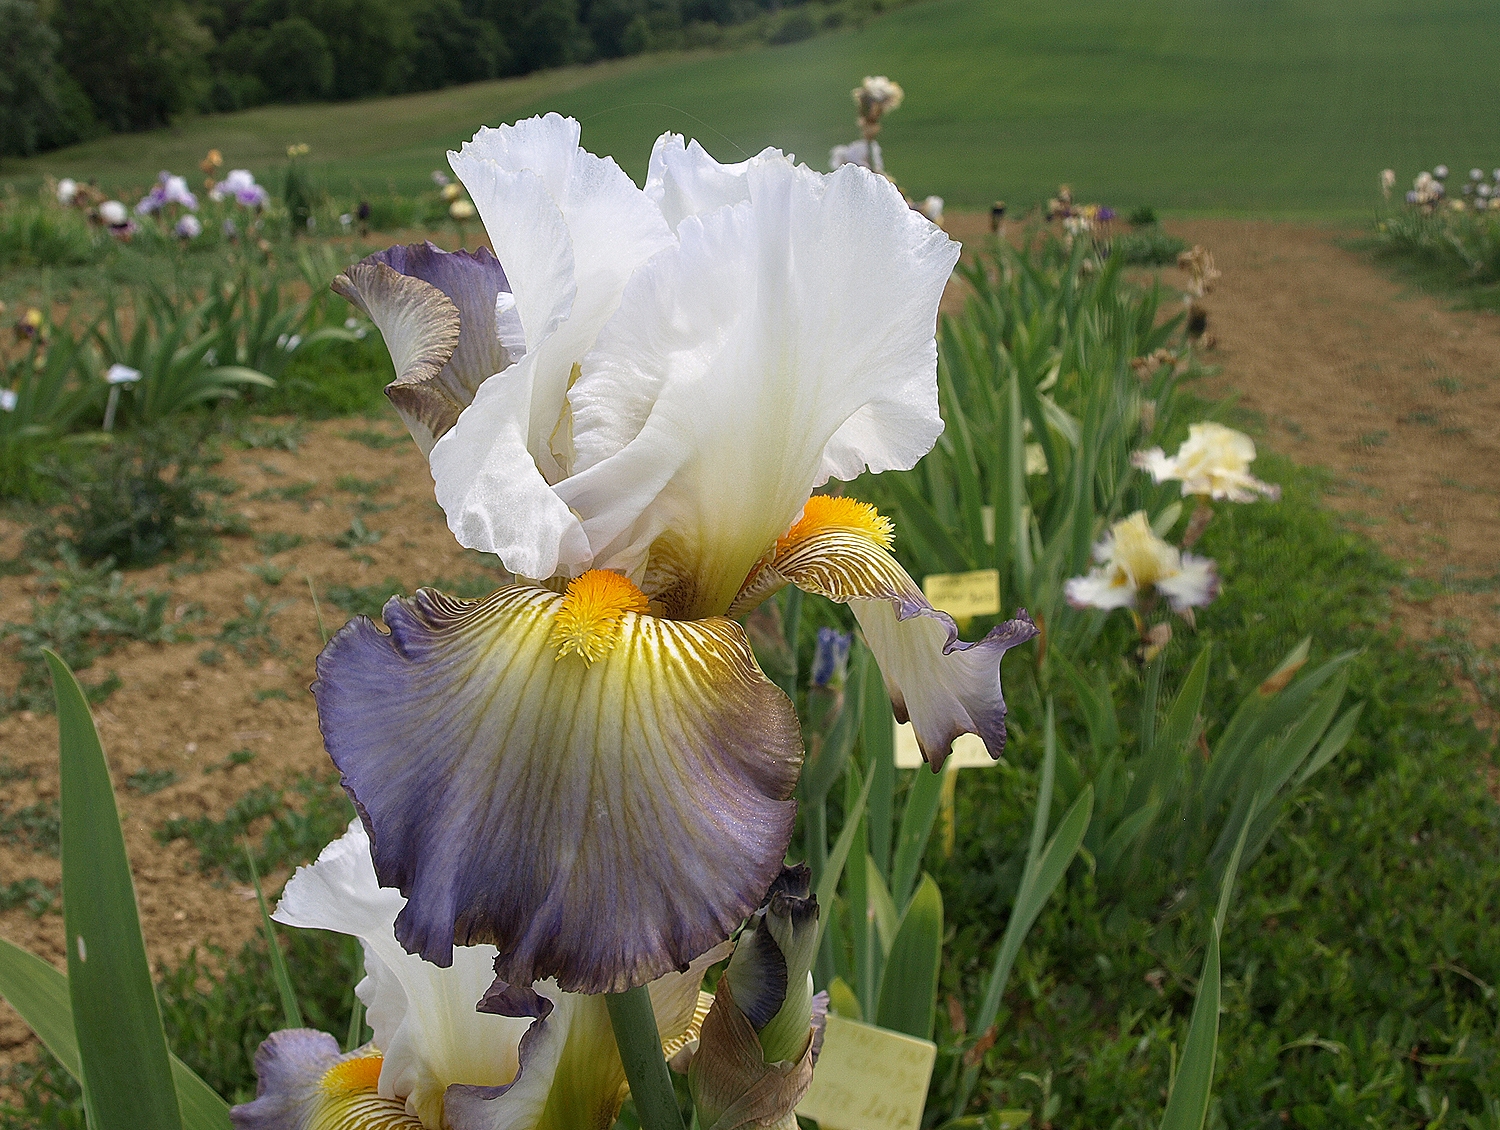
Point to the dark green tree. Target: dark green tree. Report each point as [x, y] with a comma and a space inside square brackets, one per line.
[294, 62]
[138, 61]
[40, 106]
[453, 46]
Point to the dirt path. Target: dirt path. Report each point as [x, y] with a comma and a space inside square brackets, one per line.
[1394, 393]
[1397, 396]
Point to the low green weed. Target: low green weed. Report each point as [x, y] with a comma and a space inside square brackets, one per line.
[36, 826]
[260, 434]
[250, 634]
[295, 829]
[143, 498]
[10, 772]
[1147, 246]
[83, 612]
[33, 894]
[39, 236]
[295, 492]
[272, 575]
[364, 600]
[377, 441]
[148, 781]
[358, 535]
[277, 541]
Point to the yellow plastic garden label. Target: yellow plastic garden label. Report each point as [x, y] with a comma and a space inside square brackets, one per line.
[964, 595]
[869, 1078]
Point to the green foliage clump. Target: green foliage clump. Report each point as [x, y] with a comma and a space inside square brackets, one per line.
[1451, 252]
[1147, 247]
[82, 612]
[36, 826]
[141, 499]
[34, 235]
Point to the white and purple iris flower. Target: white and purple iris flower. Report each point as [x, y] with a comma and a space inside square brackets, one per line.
[168, 189]
[535, 1060]
[631, 403]
[240, 184]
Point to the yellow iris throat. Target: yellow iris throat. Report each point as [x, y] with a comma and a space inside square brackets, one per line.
[824, 512]
[588, 619]
[352, 1076]
[348, 1100]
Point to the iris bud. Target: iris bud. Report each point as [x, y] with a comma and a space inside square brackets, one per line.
[760, 1039]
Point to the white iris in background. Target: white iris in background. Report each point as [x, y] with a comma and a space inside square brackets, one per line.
[1133, 559]
[1213, 462]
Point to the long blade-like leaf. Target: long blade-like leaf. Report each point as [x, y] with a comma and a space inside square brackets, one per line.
[39, 993]
[291, 1011]
[127, 1075]
[916, 828]
[834, 870]
[1187, 1106]
[908, 989]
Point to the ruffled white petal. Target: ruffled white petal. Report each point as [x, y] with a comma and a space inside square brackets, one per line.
[570, 229]
[1106, 587]
[423, 1017]
[786, 339]
[1193, 586]
[683, 180]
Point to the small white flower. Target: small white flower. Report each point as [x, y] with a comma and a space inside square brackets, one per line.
[211, 358]
[1213, 461]
[188, 227]
[1131, 559]
[67, 190]
[1441, 172]
[281, 341]
[932, 208]
[118, 374]
[346, 219]
[8, 399]
[351, 323]
[292, 342]
[1476, 174]
[113, 213]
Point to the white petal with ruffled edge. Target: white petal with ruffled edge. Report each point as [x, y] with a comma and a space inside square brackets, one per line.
[423, 1017]
[1194, 585]
[570, 229]
[786, 339]
[684, 180]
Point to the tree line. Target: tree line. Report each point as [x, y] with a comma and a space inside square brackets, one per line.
[73, 69]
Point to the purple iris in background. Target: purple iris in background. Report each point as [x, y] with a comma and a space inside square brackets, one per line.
[168, 189]
[240, 184]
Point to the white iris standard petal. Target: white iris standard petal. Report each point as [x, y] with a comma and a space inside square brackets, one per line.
[786, 339]
[684, 180]
[570, 229]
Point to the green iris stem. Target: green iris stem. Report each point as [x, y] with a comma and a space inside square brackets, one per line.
[634, 1022]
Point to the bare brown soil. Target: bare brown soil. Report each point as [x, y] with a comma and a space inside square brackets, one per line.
[1396, 395]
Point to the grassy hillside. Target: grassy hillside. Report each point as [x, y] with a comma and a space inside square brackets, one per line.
[1286, 107]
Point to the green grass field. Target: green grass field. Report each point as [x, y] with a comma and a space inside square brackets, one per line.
[1272, 107]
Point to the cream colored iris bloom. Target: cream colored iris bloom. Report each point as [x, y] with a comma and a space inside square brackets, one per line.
[1133, 559]
[1214, 462]
[540, 1061]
